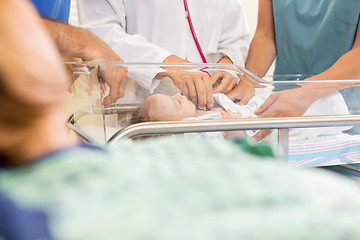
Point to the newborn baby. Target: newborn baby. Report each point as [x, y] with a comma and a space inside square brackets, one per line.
[160, 107]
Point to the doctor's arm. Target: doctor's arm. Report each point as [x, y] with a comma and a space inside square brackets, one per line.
[232, 46]
[108, 20]
[286, 103]
[75, 42]
[262, 52]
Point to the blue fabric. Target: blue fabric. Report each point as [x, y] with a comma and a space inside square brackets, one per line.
[17, 223]
[96, 148]
[339, 150]
[54, 9]
[347, 172]
[312, 35]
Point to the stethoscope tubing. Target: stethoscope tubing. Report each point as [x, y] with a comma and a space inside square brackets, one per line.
[193, 32]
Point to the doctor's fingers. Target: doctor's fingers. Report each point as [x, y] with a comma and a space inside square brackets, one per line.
[180, 82]
[192, 84]
[115, 77]
[204, 92]
[209, 92]
[191, 89]
[224, 81]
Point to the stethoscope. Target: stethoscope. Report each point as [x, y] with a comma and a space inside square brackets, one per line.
[193, 32]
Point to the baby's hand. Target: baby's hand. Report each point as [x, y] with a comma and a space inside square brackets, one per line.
[231, 115]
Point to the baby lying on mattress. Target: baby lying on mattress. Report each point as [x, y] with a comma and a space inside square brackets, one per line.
[160, 107]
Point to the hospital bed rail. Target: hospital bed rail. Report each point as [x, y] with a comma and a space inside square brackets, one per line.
[172, 127]
[282, 124]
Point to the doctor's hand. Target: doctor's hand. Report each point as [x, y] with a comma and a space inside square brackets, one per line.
[76, 42]
[243, 91]
[287, 103]
[223, 82]
[113, 75]
[196, 86]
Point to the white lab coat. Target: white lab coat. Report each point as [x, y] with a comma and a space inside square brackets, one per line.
[152, 30]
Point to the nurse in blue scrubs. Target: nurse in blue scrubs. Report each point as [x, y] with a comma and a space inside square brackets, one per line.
[54, 9]
[310, 37]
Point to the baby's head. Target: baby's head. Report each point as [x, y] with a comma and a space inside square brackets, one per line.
[160, 107]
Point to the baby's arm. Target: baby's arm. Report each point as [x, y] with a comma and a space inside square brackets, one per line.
[231, 115]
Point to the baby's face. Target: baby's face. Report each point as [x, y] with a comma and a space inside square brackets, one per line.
[166, 108]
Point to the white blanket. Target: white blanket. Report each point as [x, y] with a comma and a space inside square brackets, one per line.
[330, 105]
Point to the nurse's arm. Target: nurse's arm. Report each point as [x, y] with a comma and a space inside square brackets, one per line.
[262, 51]
[286, 103]
[347, 67]
[75, 42]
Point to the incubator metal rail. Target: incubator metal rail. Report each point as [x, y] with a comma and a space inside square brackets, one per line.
[115, 117]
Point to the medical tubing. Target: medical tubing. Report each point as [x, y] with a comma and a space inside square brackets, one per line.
[193, 32]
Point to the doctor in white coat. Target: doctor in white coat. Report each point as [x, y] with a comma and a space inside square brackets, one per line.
[159, 31]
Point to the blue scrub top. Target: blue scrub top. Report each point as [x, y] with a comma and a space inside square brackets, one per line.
[54, 9]
[311, 35]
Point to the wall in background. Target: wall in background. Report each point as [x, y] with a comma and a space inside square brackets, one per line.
[251, 10]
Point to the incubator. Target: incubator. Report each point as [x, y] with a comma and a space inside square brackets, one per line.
[305, 132]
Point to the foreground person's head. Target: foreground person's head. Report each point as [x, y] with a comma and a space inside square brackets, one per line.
[32, 83]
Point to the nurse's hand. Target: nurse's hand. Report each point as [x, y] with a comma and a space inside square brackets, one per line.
[196, 86]
[223, 82]
[243, 91]
[287, 103]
